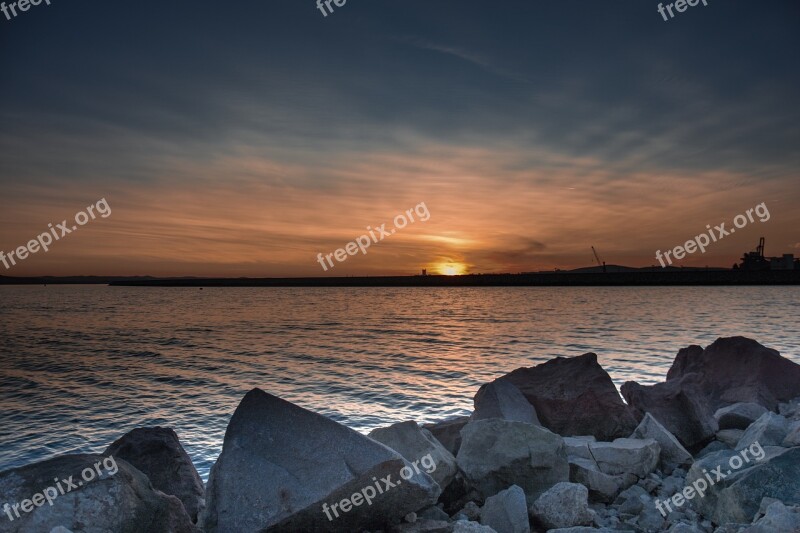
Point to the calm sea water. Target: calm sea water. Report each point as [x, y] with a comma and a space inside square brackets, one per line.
[81, 365]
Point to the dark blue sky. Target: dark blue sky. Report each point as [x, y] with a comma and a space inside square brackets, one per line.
[196, 120]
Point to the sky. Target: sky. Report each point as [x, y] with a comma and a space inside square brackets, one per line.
[245, 138]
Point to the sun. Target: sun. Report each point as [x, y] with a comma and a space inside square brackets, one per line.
[452, 269]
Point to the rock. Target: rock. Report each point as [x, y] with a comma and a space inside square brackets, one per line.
[579, 446]
[778, 519]
[790, 409]
[739, 415]
[158, 454]
[670, 486]
[701, 381]
[472, 511]
[465, 526]
[683, 527]
[769, 430]
[575, 396]
[564, 505]
[496, 454]
[448, 432]
[418, 444]
[602, 487]
[120, 499]
[501, 399]
[793, 435]
[650, 520]
[626, 456]
[410, 518]
[285, 468]
[433, 513]
[421, 526]
[506, 511]
[679, 405]
[730, 437]
[672, 453]
[714, 446]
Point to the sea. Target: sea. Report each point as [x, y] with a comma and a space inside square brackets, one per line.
[80, 365]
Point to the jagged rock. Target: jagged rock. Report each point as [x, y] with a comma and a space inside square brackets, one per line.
[465, 526]
[157, 453]
[418, 444]
[626, 456]
[120, 499]
[448, 432]
[501, 399]
[673, 454]
[575, 396]
[730, 437]
[679, 405]
[777, 519]
[563, 505]
[739, 415]
[281, 466]
[496, 454]
[769, 430]
[793, 436]
[602, 487]
[730, 370]
[579, 446]
[506, 511]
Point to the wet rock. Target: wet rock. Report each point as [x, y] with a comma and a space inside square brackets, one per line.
[418, 444]
[626, 456]
[501, 399]
[739, 415]
[769, 430]
[564, 505]
[282, 466]
[120, 499]
[448, 432]
[575, 396]
[673, 454]
[496, 454]
[157, 453]
[506, 511]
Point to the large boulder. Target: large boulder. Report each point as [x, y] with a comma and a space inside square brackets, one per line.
[120, 498]
[506, 511]
[739, 415]
[157, 453]
[501, 399]
[283, 468]
[673, 454]
[418, 444]
[701, 381]
[679, 405]
[777, 519]
[575, 396]
[448, 432]
[496, 454]
[626, 456]
[769, 430]
[563, 505]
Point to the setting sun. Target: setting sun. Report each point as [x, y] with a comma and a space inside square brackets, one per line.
[452, 269]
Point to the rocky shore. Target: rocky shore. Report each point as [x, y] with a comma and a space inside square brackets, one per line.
[715, 448]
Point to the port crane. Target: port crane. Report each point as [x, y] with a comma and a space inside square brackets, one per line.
[597, 258]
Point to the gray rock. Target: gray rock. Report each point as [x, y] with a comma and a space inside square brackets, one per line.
[580, 529]
[448, 432]
[496, 454]
[120, 499]
[673, 454]
[472, 511]
[626, 456]
[579, 446]
[433, 513]
[683, 527]
[421, 526]
[501, 399]
[790, 409]
[158, 454]
[670, 486]
[564, 505]
[415, 443]
[713, 447]
[792, 435]
[650, 520]
[281, 466]
[575, 396]
[730, 437]
[506, 511]
[778, 519]
[465, 526]
[769, 430]
[739, 415]
[602, 487]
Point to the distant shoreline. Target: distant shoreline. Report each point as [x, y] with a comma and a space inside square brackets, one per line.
[545, 279]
